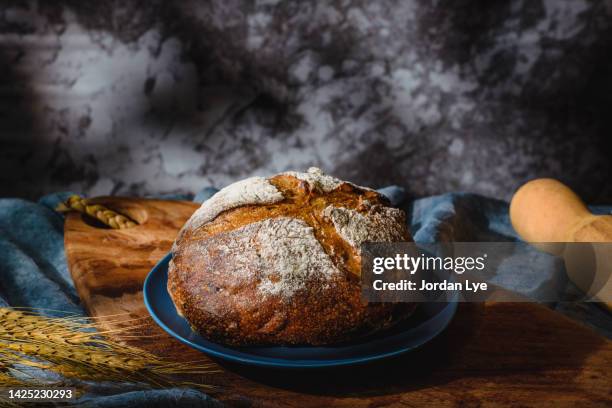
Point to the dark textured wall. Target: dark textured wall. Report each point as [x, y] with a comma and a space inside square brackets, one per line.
[145, 97]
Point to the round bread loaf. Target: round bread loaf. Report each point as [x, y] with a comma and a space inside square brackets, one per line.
[277, 261]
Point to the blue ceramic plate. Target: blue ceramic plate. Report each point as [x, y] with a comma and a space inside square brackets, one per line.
[429, 320]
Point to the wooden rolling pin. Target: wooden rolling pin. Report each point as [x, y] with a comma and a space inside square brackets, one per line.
[547, 211]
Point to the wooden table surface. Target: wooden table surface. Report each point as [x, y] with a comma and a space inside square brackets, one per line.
[492, 354]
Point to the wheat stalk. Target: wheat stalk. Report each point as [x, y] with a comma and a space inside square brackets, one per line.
[98, 211]
[70, 347]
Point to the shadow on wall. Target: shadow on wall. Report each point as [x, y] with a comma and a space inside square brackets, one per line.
[562, 99]
[17, 121]
[538, 91]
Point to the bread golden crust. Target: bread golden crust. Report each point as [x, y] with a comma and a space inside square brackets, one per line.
[284, 271]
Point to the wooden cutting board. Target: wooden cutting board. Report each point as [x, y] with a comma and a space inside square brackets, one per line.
[509, 354]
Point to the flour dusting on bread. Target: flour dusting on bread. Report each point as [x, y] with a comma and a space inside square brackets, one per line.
[284, 251]
[316, 179]
[251, 191]
[379, 224]
[296, 254]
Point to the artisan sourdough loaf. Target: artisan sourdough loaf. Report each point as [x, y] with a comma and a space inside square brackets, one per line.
[277, 261]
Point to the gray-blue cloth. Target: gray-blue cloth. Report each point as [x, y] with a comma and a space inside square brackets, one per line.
[33, 271]
[152, 398]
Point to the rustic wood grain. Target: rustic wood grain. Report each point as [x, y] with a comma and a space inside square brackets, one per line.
[493, 354]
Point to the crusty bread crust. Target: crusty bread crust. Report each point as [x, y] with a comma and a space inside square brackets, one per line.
[285, 271]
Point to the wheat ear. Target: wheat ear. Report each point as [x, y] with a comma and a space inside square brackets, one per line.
[70, 347]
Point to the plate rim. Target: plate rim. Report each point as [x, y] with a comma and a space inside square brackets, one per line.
[450, 308]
